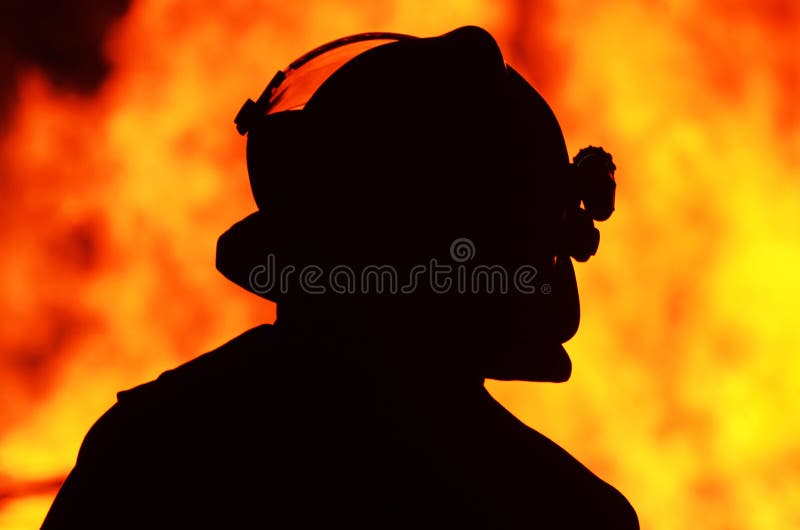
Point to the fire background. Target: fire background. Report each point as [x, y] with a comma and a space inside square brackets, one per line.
[120, 166]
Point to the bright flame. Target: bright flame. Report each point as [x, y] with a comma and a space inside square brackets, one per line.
[684, 386]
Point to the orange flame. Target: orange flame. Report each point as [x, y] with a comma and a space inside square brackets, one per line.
[684, 387]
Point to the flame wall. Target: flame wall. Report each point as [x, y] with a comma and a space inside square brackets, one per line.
[684, 391]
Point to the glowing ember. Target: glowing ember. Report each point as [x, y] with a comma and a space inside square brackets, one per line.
[684, 386]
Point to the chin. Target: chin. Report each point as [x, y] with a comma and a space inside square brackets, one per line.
[531, 362]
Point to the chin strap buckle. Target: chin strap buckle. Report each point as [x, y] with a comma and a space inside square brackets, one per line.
[595, 174]
[595, 187]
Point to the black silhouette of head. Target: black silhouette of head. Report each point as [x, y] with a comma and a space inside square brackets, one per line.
[385, 149]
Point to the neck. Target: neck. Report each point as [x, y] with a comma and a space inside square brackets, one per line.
[390, 345]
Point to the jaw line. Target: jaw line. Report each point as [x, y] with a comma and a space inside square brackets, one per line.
[544, 363]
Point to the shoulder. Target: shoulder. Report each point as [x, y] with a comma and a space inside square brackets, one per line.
[223, 367]
[149, 453]
[193, 393]
[571, 494]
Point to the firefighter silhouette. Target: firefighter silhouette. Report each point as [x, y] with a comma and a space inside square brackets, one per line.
[363, 406]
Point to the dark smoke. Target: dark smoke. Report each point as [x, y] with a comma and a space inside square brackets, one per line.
[62, 39]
